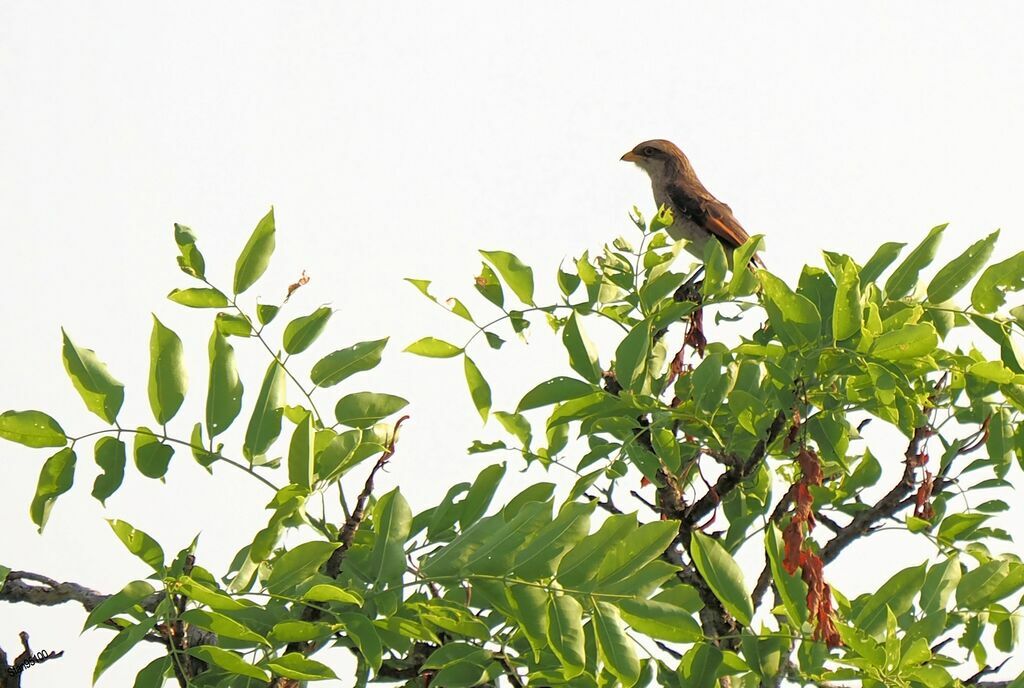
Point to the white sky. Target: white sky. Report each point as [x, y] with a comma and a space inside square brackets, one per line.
[395, 140]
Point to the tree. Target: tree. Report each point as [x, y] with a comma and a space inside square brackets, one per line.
[740, 440]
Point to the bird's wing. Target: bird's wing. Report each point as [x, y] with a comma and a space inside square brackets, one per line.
[710, 213]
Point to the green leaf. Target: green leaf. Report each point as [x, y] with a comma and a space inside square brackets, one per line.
[518, 276]
[325, 592]
[341, 364]
[555, 390]
[255, 257]
[939, 583]
[846, 311]
[883, 258]
[581, 563]
[531, 606]
[614, 646]
[299, 564]
[224, 392]
[489, 287]
[565, 633]
[904, 278]
[223, 626]
[910, 341]
[152, 675]
[794, 317]
[363, 409]
[539, 558]
[896, 594]
[102, 394]
[699, 667]
[361, 630]
[111, 456]
[999, 278]
[55, 478]
[231, 325]
[723, 576]
[300, 333]
[955, 276]
[131, 595]
[125, 640]
[151, 455]
[661, 620]
[300, 453]
[138, 543]
[191, 260]
[265, 423]
[214, 599]
[479, 390]
[231, 662]
[31, 428]
[582, 352]
[432, 347]
[479, 496]
[715, 267]
[640, 547]
[168, 381]
[392, 522]
[265, 312]
[631, 356]
[298, 666]
[202, 456]
[980, 587]
[199, 297]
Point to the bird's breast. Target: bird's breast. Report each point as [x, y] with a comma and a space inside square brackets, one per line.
[683, 228]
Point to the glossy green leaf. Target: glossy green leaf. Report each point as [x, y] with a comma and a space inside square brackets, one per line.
[939, 583]
[119, 603]
[152, 456]
[300, 453]
[224, 392]
[325, 592]
[361, 630]
[298, 565]
[641, 546]
[565, 633]
[199, 297]
[363, 409]
[488, 285]
[138, 543]
[904, 278]
[392, 521]
[723, 576]
[191, 260]
[614, 647]
[661, 620]
[531, 606]
[479, 390]
[996, 281]
[231, 662]
[111, 456]
[265, 423]
[55, 478]
[168, 380]
[266, 312]
[231, 325]
[631, 357]
[700, 666]
[341, 364]
[255, 256]
[431, 347]
[910, 341]
[517, 276]
[298, 666]
[581, 563]
[846, 310]
[981, 586]
[539, 558]
[553, 391]
[152, 675]
[207, 595]
[121, 643]
[300, 333]
[222, 625]
[883, 257]
[31, 428]
[101, 392]
[582, 352]
[792, 589]
[896, 594]
[794, 317]
[954, 276]
[479, 496]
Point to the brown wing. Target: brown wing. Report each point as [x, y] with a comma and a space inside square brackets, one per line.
[711, 214]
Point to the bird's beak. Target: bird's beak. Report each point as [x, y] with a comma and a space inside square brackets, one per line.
[630, 157]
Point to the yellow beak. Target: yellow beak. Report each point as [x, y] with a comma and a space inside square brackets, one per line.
[630, 157]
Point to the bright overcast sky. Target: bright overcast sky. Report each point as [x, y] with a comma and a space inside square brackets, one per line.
[396, 139]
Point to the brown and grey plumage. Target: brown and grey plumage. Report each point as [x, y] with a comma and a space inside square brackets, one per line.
[698, 216]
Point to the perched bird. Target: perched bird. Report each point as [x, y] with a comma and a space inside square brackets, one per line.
[697, 215]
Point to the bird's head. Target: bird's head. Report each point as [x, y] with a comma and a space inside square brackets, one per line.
[658, 158]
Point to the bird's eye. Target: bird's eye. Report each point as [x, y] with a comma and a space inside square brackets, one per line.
[649, 151]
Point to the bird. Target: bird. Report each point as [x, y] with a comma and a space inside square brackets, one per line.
[697, 215]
